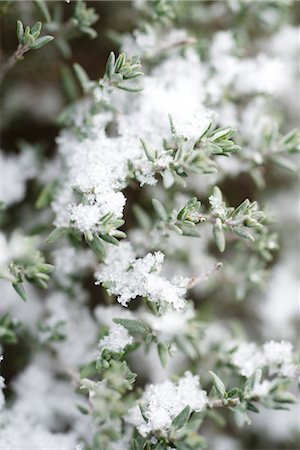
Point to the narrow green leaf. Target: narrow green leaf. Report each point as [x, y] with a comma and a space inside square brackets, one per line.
[110, 65]
[182, 418]
[133, 326]
[20, 31]
[36, 29]
[20, 290]
[163, 353]
[219, 235]
[97, 246]
[160, 210]
[81, 74]
[142, 217]
[40, 42]
[134, 445]
[45, 196]
[284, 163]
[56, 234]
[252, 408]
[130, 88]
[218, 384]
[110, 239]
[243, 233]
[42, 5]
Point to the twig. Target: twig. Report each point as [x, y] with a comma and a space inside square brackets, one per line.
[9, 64]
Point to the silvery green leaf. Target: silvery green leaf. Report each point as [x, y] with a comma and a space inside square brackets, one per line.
[121, 59]
[19, 288]
[284, 163]
[40, 42]
[20, 31]
[42, 5]
[56, 234]
[130, 88]
[110, 65]
[110, 239]
[252, 408]
[97, 246]
[160, 210]
[182, 418]
[163, 353]
[243, 233]
[30, 41]
[81, 75]
[142, 217]
[218, 384]
[133, 326]
[219, 235]
[36, 29]
[168, 179]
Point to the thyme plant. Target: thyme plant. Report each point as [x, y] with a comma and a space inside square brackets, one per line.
[151, 227]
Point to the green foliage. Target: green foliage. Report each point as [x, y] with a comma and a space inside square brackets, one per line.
[29, 39]
[239, 220]
[9, 328]
[121, 70]
[84, 18]
[190, 155]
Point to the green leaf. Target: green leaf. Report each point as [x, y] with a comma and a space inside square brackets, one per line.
[56, 234]
[20, 31]
[285, 397]
[81, 74]
[163, 353]
[168, 179]
[252, 408]
[20, 290]
[110, 239]
[219, 235]
[142, 217]
[218, 384]
[40, 42]
[160, 210]
[36, 29]
[121, 59]
[83, 409]
[97, 246]
[130, 88]
[182, 418]
[243, 233]
[110, 65]
[251, 382]
[134, 445]
[45, 196]
[42, 5]
[284, 163]
[134, 327]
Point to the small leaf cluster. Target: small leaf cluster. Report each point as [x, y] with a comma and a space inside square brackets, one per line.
[84, 17]
[239, 220]
[182, 220]
[121, 70]
[285, 145]
[241, 400]
[163, 10]
[35, 273]
[190, 155]
[106, 232]
[52, 332]
[182, 434]
[29, 39]
[141, 331]
[8, 329]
